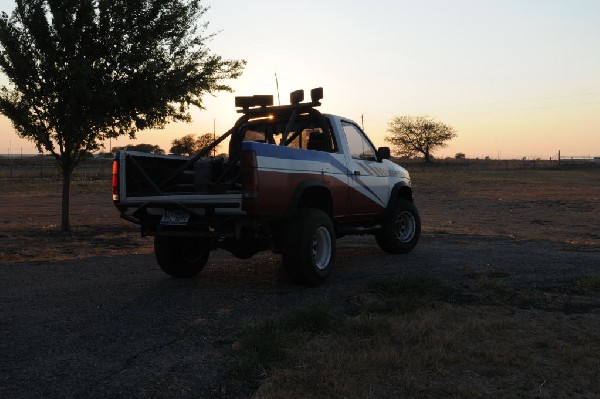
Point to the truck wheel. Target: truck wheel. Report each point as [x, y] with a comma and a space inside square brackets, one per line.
[309, 247]
[401, 229]
[181, 256]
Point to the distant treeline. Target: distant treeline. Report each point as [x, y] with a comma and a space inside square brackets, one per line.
[44, 167]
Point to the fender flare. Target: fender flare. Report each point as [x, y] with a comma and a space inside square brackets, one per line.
[301, 189]
[400, 190]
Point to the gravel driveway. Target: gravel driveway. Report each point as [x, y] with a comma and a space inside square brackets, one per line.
[118, 327]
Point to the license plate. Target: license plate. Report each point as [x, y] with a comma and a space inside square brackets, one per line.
[177, 218]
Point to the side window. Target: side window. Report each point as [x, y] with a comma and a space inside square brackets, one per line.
[358, 144]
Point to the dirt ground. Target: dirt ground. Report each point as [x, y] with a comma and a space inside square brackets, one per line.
[557, 206]
[92, 315]
[30, 222]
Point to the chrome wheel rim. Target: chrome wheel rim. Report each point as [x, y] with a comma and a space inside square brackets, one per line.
[321, 248]
[405, 226]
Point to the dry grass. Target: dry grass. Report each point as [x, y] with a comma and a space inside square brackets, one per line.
[448, 352]
[587, 286]
[525, 204]
[560, 206]
[30, 221]
[411, 338]
[438, 350]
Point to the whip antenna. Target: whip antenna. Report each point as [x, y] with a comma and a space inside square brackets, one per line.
[277, 84]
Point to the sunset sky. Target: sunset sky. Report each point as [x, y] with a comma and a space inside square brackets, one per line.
[515, 78]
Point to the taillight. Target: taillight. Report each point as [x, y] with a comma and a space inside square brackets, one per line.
[115, 180]
[249, 174]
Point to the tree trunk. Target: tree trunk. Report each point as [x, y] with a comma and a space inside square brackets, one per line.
[65, 224]
[427, 156]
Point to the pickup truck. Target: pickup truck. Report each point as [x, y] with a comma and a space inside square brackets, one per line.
[294, 181]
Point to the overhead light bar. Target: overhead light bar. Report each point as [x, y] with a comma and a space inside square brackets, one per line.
[296, 97]
[259, 103]
[246, 102]
[316, 94]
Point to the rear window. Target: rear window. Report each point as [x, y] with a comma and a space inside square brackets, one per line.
[304, 134]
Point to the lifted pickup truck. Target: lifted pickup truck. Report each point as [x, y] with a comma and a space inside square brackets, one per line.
[294, 181]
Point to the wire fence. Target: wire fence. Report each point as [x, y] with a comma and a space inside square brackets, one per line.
[45, 167]
[501, 164]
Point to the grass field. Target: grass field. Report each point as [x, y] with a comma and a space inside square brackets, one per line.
[398, 337]
[560, 206]
[30, 221]
[418, 337]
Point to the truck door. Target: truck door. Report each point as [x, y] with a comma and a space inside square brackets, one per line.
[368, 180]
[332, 162]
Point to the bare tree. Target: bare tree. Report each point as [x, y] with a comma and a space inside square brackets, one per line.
[412, 135]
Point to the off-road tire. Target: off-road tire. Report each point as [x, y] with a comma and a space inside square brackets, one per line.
[401, 228]
[309, 247]
[181, 257]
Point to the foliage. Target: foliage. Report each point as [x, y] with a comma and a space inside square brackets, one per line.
[412, 135]
[190, 145]
[149, 148]
[83, 71]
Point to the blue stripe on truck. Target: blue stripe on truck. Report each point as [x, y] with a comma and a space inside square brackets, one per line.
[283, 152]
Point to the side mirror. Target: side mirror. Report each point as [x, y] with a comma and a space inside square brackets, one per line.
[383, 153]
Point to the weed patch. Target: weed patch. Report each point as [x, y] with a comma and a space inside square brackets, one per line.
[259, 347]
[405, 294]
[264, 344]
[411, 339]
[586, 286]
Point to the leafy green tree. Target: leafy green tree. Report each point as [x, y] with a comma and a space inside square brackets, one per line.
[83, 71]
[412, 135]
[189, 145]
[204, 140]
[185, 145]
[149, 148]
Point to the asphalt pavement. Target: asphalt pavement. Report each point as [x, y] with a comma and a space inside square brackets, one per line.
[118, 327]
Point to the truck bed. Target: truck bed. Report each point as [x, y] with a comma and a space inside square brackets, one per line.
[150, 181]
